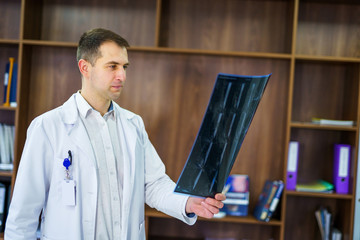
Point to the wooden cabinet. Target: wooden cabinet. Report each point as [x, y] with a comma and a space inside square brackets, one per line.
[311, 47]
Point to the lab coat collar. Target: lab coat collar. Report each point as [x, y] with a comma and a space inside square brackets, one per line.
[69, 113]
[75, 129]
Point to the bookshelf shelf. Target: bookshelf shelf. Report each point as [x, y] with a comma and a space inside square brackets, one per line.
[9, 41]
[49, 43]
[169, 50]
[327, 58]
[2, 108]
[308, 125]
[6, 173]
[320, 195]
[213, 52]
[246, 220]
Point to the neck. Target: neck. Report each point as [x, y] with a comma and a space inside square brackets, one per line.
[100, 105]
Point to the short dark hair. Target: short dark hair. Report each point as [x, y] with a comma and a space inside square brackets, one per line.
[91, 41]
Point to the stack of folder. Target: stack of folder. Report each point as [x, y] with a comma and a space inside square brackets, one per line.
[319, 186]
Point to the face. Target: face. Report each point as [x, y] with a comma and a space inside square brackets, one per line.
[108, 75]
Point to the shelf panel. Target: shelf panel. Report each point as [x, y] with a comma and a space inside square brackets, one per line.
[300, 215]
[10, 19]
[316, 152]
[246, 220]
[319, 195]
[327, 90]
[308, 125]
[329, 29]
[55, 20]
[187, 24]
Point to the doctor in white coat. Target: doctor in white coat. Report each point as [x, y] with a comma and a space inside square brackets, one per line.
[88, 166]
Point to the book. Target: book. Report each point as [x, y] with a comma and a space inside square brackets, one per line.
[323, 121]
[13, 88]
[336, 234]
[324, 220]
[341, 169]
[291, 173]
[319, 186]
[237, 195]
[265, 198]
[3, 156]
[320, 222]
[275, 201]
[2, 205]
[10, 82]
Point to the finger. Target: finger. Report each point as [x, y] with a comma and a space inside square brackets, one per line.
[220, 197]
[213, 210]
[215, 203]
[202, 211]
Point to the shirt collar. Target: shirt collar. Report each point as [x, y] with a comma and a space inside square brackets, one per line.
[85, 109]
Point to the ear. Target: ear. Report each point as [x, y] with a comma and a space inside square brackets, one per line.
[84, 67]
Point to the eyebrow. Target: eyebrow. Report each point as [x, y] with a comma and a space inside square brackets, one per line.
[117, 63]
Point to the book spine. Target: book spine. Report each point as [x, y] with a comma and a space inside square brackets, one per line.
[263, 206]
[8, 88]
[275, 201]
[13, 89]
[293, 156]
[341, 168]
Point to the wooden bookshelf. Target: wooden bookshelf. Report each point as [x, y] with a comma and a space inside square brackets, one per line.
[178, 47]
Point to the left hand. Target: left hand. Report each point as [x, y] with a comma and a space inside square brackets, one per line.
[205, 207]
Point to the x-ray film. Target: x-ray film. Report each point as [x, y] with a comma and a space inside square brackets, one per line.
[230, 111]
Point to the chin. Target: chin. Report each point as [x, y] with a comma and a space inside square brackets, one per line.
[115, 96]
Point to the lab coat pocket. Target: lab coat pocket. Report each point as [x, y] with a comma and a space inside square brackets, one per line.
[59, 174]
[57, 215]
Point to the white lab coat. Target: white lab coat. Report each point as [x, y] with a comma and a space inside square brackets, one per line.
[41, 173]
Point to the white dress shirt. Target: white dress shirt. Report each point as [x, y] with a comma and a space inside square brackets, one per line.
[102, 131]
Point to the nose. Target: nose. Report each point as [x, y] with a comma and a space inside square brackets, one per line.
[121, 74]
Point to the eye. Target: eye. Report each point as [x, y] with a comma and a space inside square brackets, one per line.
[125, 67]
[112, 66]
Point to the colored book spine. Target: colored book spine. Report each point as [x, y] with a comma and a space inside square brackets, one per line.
[8, 81]
[275, 201]
[342, 154]
[265, 198]
[293, 156]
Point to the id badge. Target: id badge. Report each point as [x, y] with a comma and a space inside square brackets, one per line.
[68, 192]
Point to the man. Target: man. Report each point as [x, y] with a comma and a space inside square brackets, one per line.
[89, 166]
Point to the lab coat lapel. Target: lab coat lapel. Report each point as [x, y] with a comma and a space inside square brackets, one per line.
[76, 129]
[127, 135]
